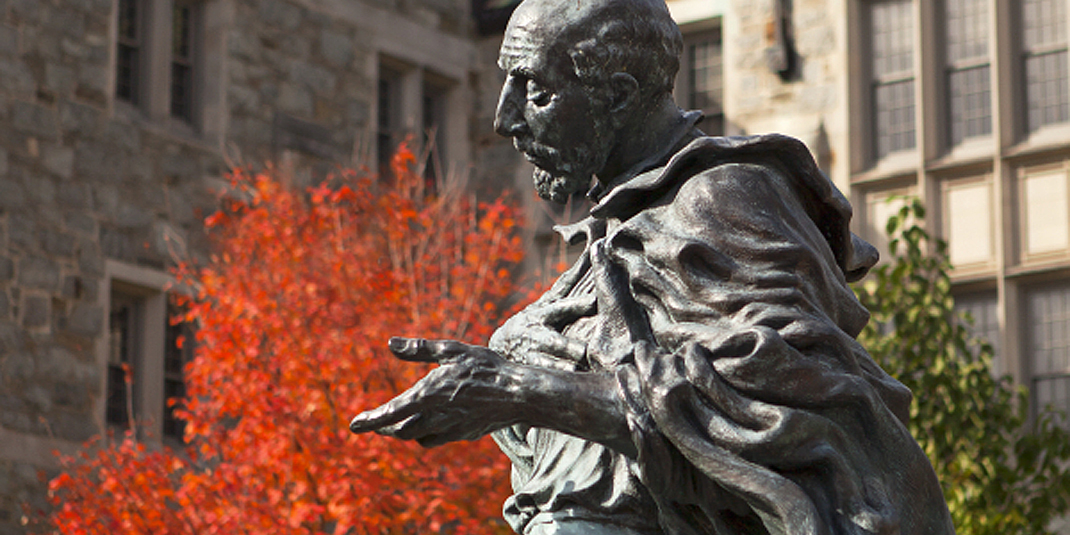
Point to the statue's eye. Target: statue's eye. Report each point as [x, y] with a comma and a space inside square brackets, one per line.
[537, 94]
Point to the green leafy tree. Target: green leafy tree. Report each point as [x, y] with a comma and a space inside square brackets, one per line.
[1001, 472]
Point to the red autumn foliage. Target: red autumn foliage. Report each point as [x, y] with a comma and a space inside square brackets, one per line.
[293, 312]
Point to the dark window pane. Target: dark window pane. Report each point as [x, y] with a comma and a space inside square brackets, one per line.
[1049, 345]
[175, 358]
[182, 62]
[173, 426]
[983, 307]
[895, 117]
[967, 29]
[1043, 23]
[182, 92]
[1046, 89]
[893, 37]
[128, 53]
[180, 32]
[122, 341]
[387, 111]
[128, 19]
[705, 80]
[971, 103]
[115, 409]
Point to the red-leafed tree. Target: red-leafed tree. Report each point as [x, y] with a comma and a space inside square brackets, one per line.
[293, 312]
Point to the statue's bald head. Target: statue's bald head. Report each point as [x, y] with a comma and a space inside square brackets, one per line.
[602, 37]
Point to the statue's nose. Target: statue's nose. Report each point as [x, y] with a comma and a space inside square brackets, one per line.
[509, 116]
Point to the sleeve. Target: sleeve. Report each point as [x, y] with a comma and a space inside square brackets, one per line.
[748, 400]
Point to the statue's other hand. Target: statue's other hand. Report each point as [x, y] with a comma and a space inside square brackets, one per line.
[470, 394]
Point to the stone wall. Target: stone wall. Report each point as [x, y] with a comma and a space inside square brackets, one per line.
[86, 179]
[811, 103]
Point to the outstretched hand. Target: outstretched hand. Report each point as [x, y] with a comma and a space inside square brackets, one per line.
[474, 391]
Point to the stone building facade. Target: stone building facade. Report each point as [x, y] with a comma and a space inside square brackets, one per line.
[120, 119]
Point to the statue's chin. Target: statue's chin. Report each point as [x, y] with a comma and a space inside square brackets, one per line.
[557, 188]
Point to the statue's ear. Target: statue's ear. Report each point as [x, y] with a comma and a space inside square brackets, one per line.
[625, 95]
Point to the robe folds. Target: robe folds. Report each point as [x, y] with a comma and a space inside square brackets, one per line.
[714, 287]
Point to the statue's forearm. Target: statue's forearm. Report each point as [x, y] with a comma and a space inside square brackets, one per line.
[587, 405]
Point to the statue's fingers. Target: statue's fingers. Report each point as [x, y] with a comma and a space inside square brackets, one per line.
[385, 415]
[414, 349]
[402, 429]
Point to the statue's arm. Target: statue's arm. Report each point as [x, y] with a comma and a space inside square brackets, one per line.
[475, 391]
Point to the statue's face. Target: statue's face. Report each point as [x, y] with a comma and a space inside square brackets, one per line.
[559, 123]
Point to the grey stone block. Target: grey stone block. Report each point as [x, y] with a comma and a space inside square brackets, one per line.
[36, 311]
[58, 159]
[16, 368]
[5, 305]
[318, 79]
[133, 216]
[12, 194]
[86, 319]
[242, 98]
[16, 77]
[74, 194]
[336, 48]
[22, 231]
[38, 273]
[78, 221]
[280, 13]
[59, 78]
[9, 40]
[57, 243]
[125, 136]
[75, 426]
[105, 198]
[33, 119]
[38, 398]
[7, 269]
[90, 259]
[74, 48]
[295, 99]
[41, 189]
[73, 394]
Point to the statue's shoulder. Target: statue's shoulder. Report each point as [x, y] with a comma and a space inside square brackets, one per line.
[743, 167]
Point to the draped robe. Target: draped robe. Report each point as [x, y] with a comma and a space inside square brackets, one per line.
[714, 287]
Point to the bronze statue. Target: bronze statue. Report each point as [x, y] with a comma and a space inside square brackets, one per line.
[696, 371]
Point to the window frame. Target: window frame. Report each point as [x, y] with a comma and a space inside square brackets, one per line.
[147, 288]
[153, 107]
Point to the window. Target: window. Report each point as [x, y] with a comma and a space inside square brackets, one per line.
[983, 308]
[1045, 212]
[415, 103]
[892, 42]
[178, 350]
[124, 346]
[182, 62]
[1049, 345]
[1044, 46]
[388, 113]
[434, 125]
[703, 74]
[968, 73]
[158, 72]
[128, 71]
[881, 206]
[143, 362]
[967, 216]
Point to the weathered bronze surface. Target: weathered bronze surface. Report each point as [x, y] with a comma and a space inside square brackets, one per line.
[696, 371]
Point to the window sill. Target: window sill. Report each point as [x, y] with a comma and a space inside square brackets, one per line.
[895, 165]
[1048, 139]
[169, 128]
[979, 150]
